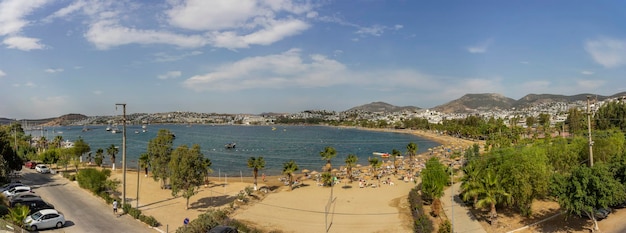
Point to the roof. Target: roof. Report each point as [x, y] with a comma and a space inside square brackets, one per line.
[48, 211]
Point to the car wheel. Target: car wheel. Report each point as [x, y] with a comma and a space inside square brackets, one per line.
[33, 228]
[59, 224]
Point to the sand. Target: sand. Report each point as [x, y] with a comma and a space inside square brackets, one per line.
[304, 209]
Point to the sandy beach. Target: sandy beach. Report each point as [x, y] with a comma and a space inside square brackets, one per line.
[305, 209]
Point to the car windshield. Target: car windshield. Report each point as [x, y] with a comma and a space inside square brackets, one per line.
[36, 215]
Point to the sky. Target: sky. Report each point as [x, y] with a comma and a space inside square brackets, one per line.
[256, 56]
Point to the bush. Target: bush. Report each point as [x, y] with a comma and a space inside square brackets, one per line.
[134, 212]
[72, 177]
[151, 221]
[421, 222]
[92, 180]
[208, 220]
[445, 227]
[106, 197]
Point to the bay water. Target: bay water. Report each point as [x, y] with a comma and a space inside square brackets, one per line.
[277, 144]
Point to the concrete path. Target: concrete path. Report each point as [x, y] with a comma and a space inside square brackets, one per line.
[463, 221]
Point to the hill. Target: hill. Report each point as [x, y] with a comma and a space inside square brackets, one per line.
[381, 107]
[476, 103]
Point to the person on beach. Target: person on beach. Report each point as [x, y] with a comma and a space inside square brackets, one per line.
[114, 206]
[263, 176]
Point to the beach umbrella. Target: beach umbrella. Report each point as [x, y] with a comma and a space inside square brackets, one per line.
[305, 171]
[358, 165]
[314, 173]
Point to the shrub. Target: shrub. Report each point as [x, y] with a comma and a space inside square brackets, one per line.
[126, 208]
[208, 220]
[92, 180]
[445, 227]
[151, 221]
[106, 197]
[72, 177]
[421, 222]
[134, 212]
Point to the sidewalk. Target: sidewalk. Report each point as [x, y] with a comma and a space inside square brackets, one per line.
[463, 221]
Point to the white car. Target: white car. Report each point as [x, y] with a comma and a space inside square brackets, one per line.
[43, 219]
[16, 190]
[42, 168]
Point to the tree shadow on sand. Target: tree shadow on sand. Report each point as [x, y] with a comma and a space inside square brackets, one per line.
[207, 202]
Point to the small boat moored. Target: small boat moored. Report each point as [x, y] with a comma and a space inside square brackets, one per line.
[230, 145]
[381, 154]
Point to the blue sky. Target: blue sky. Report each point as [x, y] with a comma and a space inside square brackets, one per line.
[254, 56]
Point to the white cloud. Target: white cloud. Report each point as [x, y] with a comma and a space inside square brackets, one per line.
[52, 71]
[586, 72]
[30, 84]
[22, 43]
[218, 23]
[13, 12]
[481, 47]
[287, 69]
[373, 30]
[63, 12]
[163, 57]
[108, 33]
[171, 74]
[607, 52]
[2, 74]
[97, 92]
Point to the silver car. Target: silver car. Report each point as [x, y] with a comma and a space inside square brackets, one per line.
[43, 219]
[42, 168]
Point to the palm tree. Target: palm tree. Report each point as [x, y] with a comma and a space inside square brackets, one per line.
[350, 162]
[98, 158]
[43, 143]
[288, 169]
[57, 141]
[112, 151]
[256, 164]
[375, 163]
[411, 150]
[470, 183]
[144, 162]
[490, 191]
[206, 163]
[17, 215]
[394, 154]
[328, 153]
[327, 179]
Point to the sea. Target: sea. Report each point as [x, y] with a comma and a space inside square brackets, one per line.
[277, 144]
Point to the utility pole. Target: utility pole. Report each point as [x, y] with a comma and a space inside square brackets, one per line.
[452, 197]
[123, 152]
[589, 133]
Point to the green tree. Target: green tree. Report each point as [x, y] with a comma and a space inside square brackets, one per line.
[160, 151]
[187, 171]
[206, 163]
[144, 162]
[328, 154]
[394, 156]
[49, 156]
[351, 160]
[256, 164]
[587, 189]
[411, 150]
[611, 115]
[576, 121]
[434, 178]
[288, 169]
[93, 179]
[56, 142]
[112, 150]
[375, 163]
[99, 157]
[491, 192]
[81, 148]
[470, 182]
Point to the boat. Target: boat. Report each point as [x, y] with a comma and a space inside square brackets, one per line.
[136, 131]
[381, 154]
[230, 145]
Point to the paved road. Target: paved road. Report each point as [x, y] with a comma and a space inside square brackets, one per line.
[463, 220]
[83, 211]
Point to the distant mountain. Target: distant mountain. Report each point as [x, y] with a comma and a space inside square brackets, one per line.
[62, 120]
[382, 107]
[476, 103]
[491, 101]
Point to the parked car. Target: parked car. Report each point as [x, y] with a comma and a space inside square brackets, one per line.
[43, 219]
[10, 186]
[25, 195]
[223, 229]
[33, 204]
[42, 168]
[600, 214]
[16, 190]
[30, 164]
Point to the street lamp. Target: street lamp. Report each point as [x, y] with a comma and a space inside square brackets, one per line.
[123, 153]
